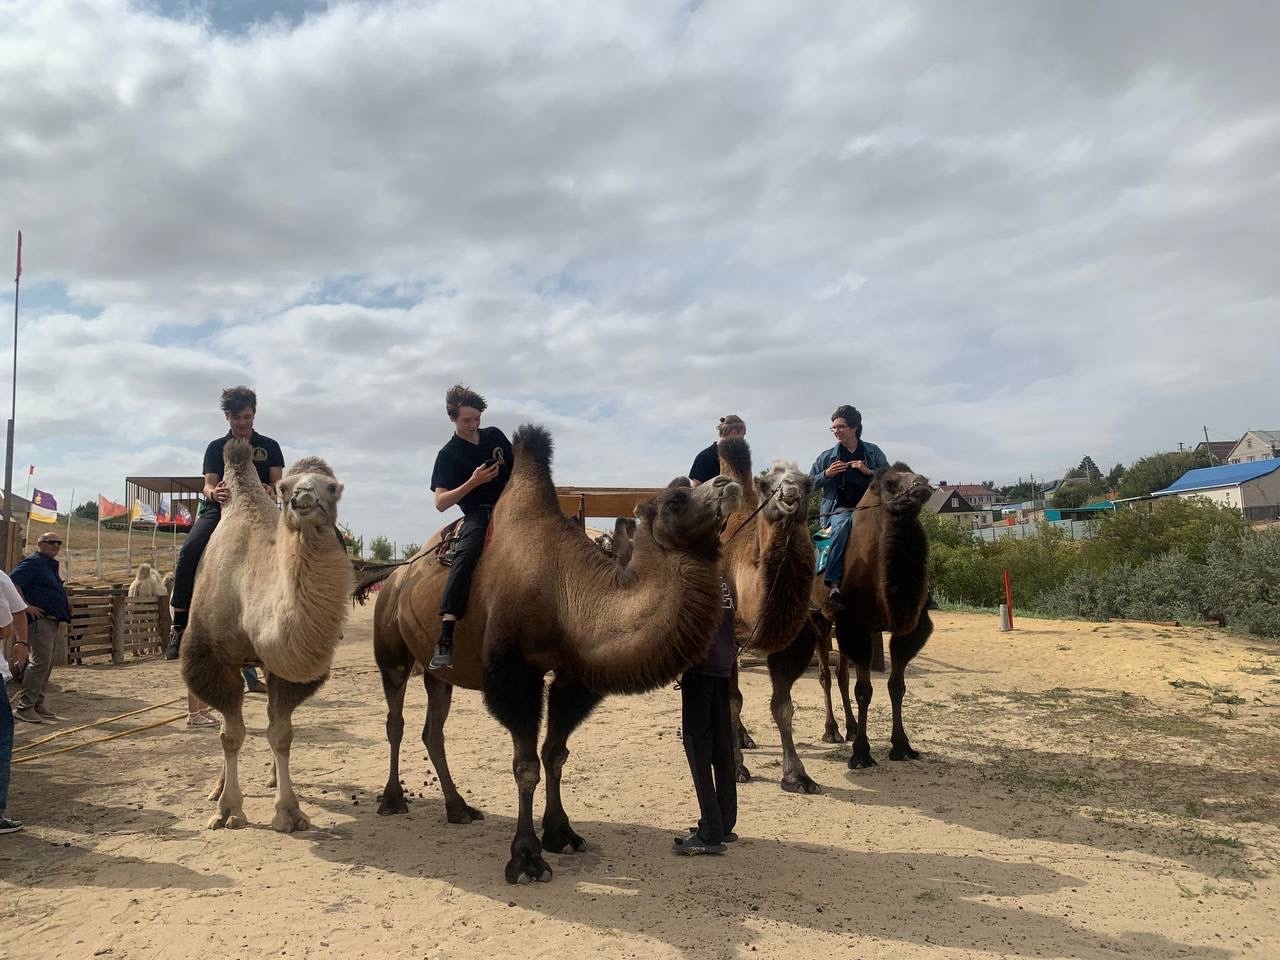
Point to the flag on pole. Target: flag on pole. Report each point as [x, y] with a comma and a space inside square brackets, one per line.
[44, 507]
[31, 470]
[109, 508]
[183, 517]
[165, 514]
[143, 511]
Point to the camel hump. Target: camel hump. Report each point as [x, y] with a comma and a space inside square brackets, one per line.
[735, 458]
[311, 465]
[236, 453]
[535, 442]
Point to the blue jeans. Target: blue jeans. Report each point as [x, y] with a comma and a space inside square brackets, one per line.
[6, 745]
[250, 675]
[841, 525]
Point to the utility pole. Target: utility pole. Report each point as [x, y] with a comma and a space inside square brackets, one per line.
[13, 413]
[1207, 448]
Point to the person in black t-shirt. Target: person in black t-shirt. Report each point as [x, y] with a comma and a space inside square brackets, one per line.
[471, 471]
[706, 464]
[239, 405]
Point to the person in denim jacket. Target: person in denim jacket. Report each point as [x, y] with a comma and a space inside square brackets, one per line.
[842, 475]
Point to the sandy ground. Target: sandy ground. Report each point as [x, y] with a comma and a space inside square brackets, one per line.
[1085, 791]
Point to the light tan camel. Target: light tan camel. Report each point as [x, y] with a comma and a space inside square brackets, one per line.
[546, 598]
[273, 588]
[147, 582]
[769, 561]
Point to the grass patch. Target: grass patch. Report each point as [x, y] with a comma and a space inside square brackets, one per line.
[1026, 779]
[1113, 712]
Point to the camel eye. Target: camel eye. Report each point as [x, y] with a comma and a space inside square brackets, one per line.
[333, 488]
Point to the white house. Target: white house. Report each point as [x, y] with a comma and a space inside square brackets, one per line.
[1256, 445]
[1251, 488]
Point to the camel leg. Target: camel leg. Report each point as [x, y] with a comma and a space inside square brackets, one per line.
[513, 694]
[222, 688]
[842, 679]
[741, 733]
[283, 698]
[856, 643]
[785, 668]
[439, 700]
[741, 773]
[830, 731]
[568, 704]
[230, 800]
[902, 650]
[394, 665]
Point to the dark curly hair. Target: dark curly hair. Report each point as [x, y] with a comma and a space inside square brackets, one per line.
[235, 399]
[850, 415]
[459, 396]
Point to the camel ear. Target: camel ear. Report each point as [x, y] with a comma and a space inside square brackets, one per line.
[646, 511]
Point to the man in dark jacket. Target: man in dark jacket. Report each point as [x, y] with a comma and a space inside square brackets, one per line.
[48, 607]
[706, 727]
[706, 465]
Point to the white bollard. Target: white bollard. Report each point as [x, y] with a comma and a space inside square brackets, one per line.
[1005, 626]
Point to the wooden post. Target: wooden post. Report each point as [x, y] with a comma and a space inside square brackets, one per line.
[1008, 597]
[117, 628]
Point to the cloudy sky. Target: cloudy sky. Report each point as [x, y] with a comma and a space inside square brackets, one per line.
[1010, 233]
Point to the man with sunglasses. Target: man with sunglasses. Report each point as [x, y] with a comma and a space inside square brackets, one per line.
[842, 475]
[48, 607]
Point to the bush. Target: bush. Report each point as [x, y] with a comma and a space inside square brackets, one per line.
[973, 573]
[1243, 582]
[1135, 536]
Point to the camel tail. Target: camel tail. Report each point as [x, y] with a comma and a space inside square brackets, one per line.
[362, 589]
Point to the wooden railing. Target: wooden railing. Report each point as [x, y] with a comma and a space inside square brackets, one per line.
[106, 622]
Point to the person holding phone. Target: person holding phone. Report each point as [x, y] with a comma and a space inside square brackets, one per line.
[471, 471]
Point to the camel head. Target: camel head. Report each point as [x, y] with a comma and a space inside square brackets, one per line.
[310, 494]
[784, 488]
[681, 518]
[902, 491]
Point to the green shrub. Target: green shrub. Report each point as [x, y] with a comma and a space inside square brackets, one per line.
[1134, 536]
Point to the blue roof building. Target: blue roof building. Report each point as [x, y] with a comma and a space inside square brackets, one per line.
[1252, 488]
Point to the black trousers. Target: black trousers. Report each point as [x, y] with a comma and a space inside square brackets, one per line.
[184, 575]
[707, 730]
[465, 557]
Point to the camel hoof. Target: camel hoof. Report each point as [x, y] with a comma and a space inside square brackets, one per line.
[801, 784]
[904, 753]
[832, 735]
[235, 820]
[861, 759]
[744, 740]
[556, 838]
[290, 821]
[527, 865]
[851, 736]
[743, 775]
[393, 805]
[216, 822]
[463, 814]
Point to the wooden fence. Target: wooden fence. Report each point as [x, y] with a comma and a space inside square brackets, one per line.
[106, 622]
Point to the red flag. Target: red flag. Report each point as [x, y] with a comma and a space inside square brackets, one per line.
[19, 276]
[108, 508]
[31, 470]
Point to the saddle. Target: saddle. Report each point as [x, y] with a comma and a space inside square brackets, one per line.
[450, 535]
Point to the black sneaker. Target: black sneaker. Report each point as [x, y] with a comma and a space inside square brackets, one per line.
[9, 826]
[729, 837]
[693, 845]
[442, 658]
[174, 644]
[834, 600]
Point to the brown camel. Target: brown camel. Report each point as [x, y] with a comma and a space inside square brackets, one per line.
[884, 587]
[769, 561]
[546, 598]
[272, 588]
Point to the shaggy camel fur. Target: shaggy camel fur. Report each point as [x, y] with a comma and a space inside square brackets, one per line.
[147, 582]
[545, 598]
[273, 587]
[884, 587]
[769, 561]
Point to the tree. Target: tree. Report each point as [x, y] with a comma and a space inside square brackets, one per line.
[87, 510]
[1157, 471]
[380, 549]
[1075, 495]
[355, 545]
[409, 549]
[1115, 476]
[1088, 469]
[989, 484]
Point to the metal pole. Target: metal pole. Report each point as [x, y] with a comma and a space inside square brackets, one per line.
[13, 414]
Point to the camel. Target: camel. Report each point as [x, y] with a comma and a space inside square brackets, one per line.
[769, 562]
[546, 598]
[147, 582]
[273, 588]
[884, 587]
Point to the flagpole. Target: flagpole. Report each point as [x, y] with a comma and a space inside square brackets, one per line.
[13, 413]
[155, 528]
[66, 541]
[128, 542]
[97, 560]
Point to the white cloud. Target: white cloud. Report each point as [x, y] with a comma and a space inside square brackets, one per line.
[1011, 235]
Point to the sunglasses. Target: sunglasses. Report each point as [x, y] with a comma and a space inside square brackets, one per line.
[52, 543]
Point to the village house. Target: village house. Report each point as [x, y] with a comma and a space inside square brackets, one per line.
[975, 493]
[1256, 445]
[948, 502]
[1251, 488]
